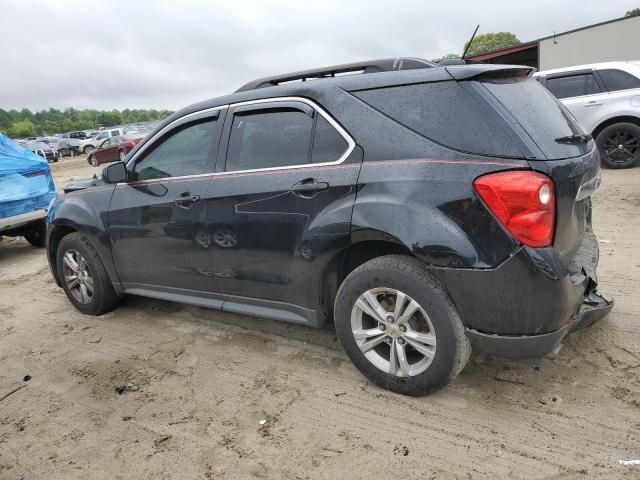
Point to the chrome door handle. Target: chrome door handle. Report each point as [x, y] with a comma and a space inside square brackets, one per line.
[593, 104]
[309, 187]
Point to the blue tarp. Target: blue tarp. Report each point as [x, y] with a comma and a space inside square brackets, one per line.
[26, 183]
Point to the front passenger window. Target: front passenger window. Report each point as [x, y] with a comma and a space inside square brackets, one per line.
[187, 150]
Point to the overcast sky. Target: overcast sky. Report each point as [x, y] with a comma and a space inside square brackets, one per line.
[167, 54]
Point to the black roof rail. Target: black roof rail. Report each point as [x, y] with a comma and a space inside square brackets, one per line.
[369, 66]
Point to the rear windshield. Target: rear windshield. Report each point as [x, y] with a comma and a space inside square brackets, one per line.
[541, 115]
[482, 117]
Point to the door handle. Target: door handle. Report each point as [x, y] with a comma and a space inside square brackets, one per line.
[309, 187]
[186, 200]
[593, 104]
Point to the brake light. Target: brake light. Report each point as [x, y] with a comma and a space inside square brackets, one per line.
[524, 202]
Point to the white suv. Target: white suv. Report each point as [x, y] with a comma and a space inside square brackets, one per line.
[605, 98]
[92, 143]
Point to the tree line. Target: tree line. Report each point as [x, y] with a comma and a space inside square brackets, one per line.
[25, 123]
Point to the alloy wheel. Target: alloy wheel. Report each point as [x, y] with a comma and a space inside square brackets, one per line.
[123, 155]
[225, 238]
[77, 276]
[393, 332]
[621, 147]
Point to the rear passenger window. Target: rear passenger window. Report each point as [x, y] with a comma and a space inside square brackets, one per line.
[269, 138]
[618, 80]
[282, 137]
[445, 113]
[573, 85]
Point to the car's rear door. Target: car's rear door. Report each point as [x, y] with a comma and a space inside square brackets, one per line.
[280, 206]
[156, 220]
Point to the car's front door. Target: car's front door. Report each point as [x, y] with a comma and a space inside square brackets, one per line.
[156, 220]
[583, 94]
[280, 206]
[105, 151]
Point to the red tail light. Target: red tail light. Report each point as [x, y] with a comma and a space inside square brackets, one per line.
[524, 202]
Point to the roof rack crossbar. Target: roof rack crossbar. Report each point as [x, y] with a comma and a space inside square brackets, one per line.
[370, 66]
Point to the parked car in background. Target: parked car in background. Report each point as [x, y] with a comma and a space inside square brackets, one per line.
[425, 209]
[79, 135]
[68, 147]
[26, 191]
[605, 99]
[43, 149]
[94, 142]
[113, 149]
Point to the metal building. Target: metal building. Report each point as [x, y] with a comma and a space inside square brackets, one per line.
[617, 39]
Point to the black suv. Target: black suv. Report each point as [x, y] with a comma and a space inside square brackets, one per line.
[426, 209]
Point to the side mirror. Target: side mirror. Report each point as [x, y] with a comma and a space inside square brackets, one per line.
[114, 173]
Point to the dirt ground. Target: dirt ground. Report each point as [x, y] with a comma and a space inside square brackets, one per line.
[222, 396]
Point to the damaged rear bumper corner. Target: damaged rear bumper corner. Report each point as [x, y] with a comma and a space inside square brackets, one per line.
[534, 347]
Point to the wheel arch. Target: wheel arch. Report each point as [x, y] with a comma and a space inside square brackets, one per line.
[612, 121]
[347, 260]
[56, 234]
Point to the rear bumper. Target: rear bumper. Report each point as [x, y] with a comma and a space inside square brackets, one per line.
[525, 308]
[533, 347]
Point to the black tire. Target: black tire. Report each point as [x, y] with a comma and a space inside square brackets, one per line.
[87, 149]
[38, 236]
[104, 297]
[92, 161]
[627, 135]
[409, 276]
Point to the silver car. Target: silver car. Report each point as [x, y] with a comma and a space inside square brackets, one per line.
[605, 99]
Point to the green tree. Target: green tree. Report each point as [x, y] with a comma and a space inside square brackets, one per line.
[21, 129]
[632, 13]
[491, 41]
[448, 56]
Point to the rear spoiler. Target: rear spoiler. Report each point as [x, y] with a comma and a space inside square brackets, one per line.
[487, 72]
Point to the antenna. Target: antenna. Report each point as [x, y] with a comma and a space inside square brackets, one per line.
[470, 40]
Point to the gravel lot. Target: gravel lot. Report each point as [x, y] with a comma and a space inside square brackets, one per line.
[223, 396]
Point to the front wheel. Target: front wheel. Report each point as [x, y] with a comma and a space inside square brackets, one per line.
[619, 145]
[93, 161]
[123, 155]
[83, 276]
[399, 327]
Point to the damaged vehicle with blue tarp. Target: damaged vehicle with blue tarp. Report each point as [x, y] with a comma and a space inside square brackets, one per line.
[26, 191]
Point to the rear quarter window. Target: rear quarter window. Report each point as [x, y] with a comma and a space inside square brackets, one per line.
[616, 80]
[445, 113]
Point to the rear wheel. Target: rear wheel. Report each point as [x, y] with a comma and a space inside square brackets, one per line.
[37, 236]
[399, 327]
[88, 149]
[619, 145]
[83, 276]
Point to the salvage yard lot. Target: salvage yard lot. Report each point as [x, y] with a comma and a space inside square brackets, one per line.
[216, 395]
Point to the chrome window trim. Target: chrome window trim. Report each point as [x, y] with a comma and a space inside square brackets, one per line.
[351, 144]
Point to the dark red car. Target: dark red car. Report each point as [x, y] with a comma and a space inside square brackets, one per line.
[113, 149]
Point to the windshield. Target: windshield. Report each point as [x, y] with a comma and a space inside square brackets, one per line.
[541, 115]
